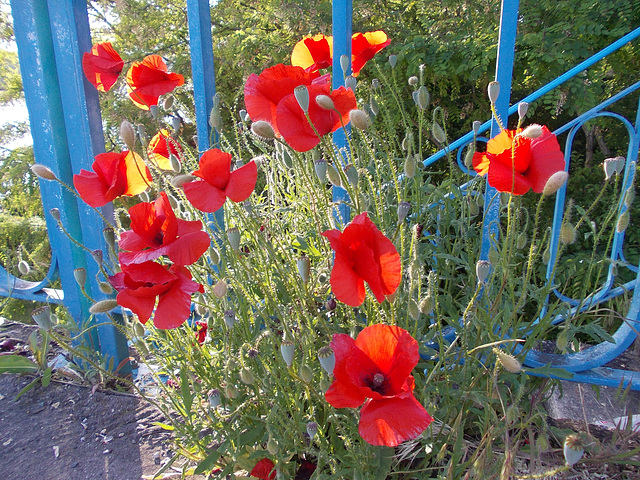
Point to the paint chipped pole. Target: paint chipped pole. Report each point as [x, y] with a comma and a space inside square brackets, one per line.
[342, 11]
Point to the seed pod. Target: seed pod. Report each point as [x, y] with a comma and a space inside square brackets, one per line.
[334, 176]
[373, 105]
[393, 60]
[493, 91]
[23, 267]
[476, 126]
[80, 275]
[55, 213]
[320, 167]
[312, 429]
[304, 268]
[214, 398]
[176, 122]
[345, 63]
[573, 450]
[154, 110]
[287, 350]
[483, 269]
[302, 96]
[523, 107]
[109, 236]
[230, 318]
[327, 359]
[350, 82]
[233, 235]
[351, 173]
[42, 317]
[403, 211]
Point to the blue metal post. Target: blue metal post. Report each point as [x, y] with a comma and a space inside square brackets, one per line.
[504, 73]
[342, 11]
[67, 133]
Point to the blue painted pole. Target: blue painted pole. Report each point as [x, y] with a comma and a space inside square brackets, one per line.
[342, 12]
[504, 73]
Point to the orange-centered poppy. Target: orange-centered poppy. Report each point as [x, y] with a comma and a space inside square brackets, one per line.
[363, 254]
[114, 174]
[375, 369]
[102, 65]
[516, 164]
[148, 79]
[160, 146]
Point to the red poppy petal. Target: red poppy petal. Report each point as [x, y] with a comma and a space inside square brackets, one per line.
[188, 248]
[141, 306]
[130, 240]
[294, 126]
[313, 53]
[102, 66]
[204, 196]
[242, 182]
[91, 188]
[344, 100]
[481, 163]
[174, 306]
[391, 421]
[547, 159]
[392, 349]
[353, 367]
[264, 469]
[346, 284]
[215, 166]
[364, 47]
[188, 226]
[135, 173]
[504, 179]
[344, 395]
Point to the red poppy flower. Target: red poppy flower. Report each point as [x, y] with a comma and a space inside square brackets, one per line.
[532, 163]
[264, 469]
[262, 93]
[114, 174]
[102, 65]
[159, 148]
[313, 53]
[364, 46]
[294, 125]
[148, 79]
[201, 331]
[363, 254]
[139, 285]
[156, 231]
[376, 369]
[219, 182]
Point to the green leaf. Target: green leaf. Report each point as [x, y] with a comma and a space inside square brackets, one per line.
[17, 364]
[208, 463]
[31, 384]
[46, 377]
[186, 392]
[549, 371]
[164, 426]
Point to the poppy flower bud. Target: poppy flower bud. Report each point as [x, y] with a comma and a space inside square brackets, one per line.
[231, 391]
[567, 234]
[331, 304]
[23, 267]
[410, 166]
[623, 222]
[509, 362]
[493, 90]
[43, 172]
[438, 133]
[312, 429]
[42, 317]
[532, 131]
[413, 81]
[546, 256]
[483, 269]
[263, 129]
[426, 305]
[97, 256]
[521, 241]
[180, 180]
[629, 197]
[80, 275]
[573, 450]
[373, 106]
[494, 256]
[105, 287]
[345, 61]
[476, 126]
[246, 376]
[350, 82]
[272, 446]
[327, 359]
[176, 166]
[220, 289]
[554, 183]
[473, 206]
[393, 59]
[214, 398]
[324, 101]
[334, 176]
[306, 374]
[173, 201]
[103, 306]
[422, 98]
[304, 267]
[215, 120]
[167, 103]
[403, 210]
[302, 96]
[352, 174]
[55, 213]
[230, 318]
[407, 141]
[175, 123]
[109, 236]
[233, 235]
[523, 107]
[154, 110]
[359, 119]
[468, 156]
[320, 166]
[287, 350]
[142, 133]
